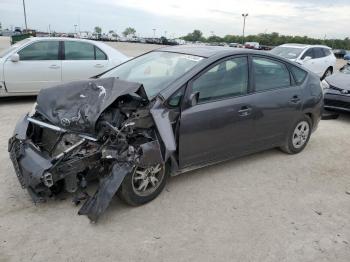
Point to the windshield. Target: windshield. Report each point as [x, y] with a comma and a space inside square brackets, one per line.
[345, 69]
[155, 70]
[287, 52]
[13, 47]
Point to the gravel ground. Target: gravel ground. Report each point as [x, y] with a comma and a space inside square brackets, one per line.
[265, 207]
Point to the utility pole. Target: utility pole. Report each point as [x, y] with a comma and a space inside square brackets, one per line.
[25, 15]
[244, 18]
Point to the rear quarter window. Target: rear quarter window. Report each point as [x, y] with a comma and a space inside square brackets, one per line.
[327, 52]
[299, 74]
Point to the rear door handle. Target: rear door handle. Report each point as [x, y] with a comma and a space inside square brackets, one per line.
[245, 111]
[99, 65]
[295, 99]
[54, 66]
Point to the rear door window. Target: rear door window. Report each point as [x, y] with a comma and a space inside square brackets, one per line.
[319, 52]
[43, 50]
[74, 50]
[270, 74]
[310, 53]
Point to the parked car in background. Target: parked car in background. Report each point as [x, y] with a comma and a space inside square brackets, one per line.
[40, 62]
[347, 56]
[252, 45]
[163, 113]
[317, 58]
[233, 44]
[339, 53]
[337, 90]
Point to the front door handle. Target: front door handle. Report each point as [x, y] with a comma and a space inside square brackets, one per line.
[99, 65]
[54, 67]
[295, 99]
[245, 111]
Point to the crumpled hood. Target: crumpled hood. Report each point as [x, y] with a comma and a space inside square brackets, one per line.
[339, 80]
[76, 106]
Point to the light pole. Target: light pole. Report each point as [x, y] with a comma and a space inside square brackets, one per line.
[244, 17]
[75, 29]
[25, 15]
[154, 33]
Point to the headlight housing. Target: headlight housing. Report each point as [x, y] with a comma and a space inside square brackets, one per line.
[324, 85]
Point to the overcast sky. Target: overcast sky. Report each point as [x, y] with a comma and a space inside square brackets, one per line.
[315, 18]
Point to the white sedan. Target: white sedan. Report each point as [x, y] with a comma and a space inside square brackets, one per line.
[36, 63]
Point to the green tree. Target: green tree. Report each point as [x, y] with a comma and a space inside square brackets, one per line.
[196, 35]
[98, 30]
[129, 31]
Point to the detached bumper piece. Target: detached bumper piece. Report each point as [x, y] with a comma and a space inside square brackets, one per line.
[108, 187]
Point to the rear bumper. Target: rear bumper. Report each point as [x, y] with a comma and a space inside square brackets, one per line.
[29, 163]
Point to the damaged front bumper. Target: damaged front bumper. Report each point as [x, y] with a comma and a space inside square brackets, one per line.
[30, 165]
[40, 172]
[37, 172]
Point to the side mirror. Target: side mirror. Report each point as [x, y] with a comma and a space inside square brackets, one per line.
[15, 57]
[194, 98]
[307, 58]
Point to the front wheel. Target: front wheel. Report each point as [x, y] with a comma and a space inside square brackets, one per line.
[299, 136]
[143, 185]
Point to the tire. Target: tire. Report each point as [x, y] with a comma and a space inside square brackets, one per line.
[328, 72]
[291, 145]
[129, 193]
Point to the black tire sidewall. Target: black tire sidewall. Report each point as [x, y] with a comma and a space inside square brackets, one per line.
[291, 147]
[127, 194]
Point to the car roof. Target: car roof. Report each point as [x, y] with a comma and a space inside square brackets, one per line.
[33, 39]
[302, 46]
[207, 51]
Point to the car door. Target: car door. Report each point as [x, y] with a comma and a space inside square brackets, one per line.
[39, 66]
[220, 125]
[82, 60]
[277, 101]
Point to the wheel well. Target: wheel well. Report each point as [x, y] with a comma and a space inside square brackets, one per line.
[311, 117]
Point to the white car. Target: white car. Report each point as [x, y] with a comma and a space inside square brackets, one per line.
[36, 63]
[317, 58]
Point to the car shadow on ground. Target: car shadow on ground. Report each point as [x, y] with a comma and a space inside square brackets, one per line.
[17, 100]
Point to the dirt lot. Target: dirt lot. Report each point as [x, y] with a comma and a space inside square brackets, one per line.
[266, 207]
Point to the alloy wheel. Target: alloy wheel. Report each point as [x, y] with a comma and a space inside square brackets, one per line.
[301, 134]
[146, 180]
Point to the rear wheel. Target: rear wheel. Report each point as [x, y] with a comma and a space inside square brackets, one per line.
[143, 184]
[299, 136]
